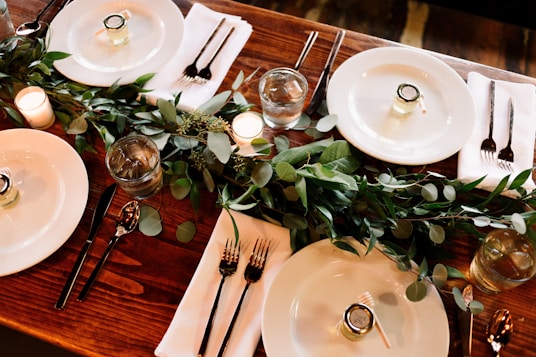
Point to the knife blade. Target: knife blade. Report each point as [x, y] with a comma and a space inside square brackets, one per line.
[322, 84]
[465, 321]
[98, 215]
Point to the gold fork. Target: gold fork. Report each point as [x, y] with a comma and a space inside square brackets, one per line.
[228, 266]
[252, 274]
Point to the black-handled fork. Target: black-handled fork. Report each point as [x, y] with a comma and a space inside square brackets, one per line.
[252, 274]
[227, 267]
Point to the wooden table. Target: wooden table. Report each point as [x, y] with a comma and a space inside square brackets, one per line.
[135, 297]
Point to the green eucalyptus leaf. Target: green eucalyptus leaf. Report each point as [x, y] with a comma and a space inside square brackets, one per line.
[167, 109]
[301, 189]
[262, 174]
[281, 142]
[291, 194]
[220, 145]
[78, 126]
[180, 188]
[150, 222]
[286, 172]
[327, 123]
[186, 231]
[476, 307]
[208, 180]
[437, 234]
[458, 298]
[214, 104]
[449, 192]
[239, 98]
[403, 229]
[519, 223]
[238, 80]
[429, 192]
[416, 291]
[481, 221]
[439, 275]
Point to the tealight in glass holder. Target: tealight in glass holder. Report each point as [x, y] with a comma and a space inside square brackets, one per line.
[247, 126]
[357, 321]
[117, 28]
[9, 194]
[406, 99]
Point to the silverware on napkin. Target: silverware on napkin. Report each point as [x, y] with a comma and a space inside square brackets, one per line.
[98, 215]
[465, 321]
[322, 84]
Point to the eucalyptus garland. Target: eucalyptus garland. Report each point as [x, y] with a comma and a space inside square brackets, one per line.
[319, 190]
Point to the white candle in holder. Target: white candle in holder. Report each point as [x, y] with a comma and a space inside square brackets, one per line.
[34, 105]
[247, 126]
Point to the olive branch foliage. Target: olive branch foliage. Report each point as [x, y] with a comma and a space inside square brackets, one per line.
[320, 190]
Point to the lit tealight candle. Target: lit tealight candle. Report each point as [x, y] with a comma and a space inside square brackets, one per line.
[34, 105]
[247, 126]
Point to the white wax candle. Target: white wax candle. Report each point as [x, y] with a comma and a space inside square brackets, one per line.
[34, 105]
[247, 126]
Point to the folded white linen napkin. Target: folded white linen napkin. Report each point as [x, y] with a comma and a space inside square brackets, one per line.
[470, 165]
[184, 335]
[198, 26]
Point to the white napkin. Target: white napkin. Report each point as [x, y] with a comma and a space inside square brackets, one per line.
[185, 333]
[198, 25]
[470, 165]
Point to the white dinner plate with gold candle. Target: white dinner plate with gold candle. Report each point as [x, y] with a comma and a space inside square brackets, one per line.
[53, 189]
[305, 305]
[155, 29]
[362, 92]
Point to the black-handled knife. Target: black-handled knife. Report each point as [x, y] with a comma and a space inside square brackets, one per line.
[465, 321]
[320, 91]
[98, 215]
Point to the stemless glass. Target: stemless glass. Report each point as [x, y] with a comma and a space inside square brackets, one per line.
[505, 259]
[282, 91]
[6, 25]
[134, 163]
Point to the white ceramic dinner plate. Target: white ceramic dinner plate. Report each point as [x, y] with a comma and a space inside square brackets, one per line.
[307, 299]
[361, 93]
[53, 187]
[156, 29]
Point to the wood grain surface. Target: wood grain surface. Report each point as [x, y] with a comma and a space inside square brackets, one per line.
[135, 297]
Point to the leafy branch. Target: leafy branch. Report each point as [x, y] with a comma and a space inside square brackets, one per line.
[319, 190]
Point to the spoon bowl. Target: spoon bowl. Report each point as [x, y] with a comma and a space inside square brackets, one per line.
[127, 220]
[32, 27]
[499, 330]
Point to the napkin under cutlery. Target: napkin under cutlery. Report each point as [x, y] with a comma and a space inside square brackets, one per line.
[470, 164]
[198, 25]
[184, 335]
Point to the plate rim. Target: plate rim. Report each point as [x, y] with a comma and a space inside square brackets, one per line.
[389, 56]
[320, 250]
[71, 68]
[51, 240]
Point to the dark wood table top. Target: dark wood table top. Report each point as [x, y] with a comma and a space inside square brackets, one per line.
[135, 297]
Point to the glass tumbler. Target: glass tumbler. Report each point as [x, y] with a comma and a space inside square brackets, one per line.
[134, 163]
[505, 259]
[6, 26]
[282, 92]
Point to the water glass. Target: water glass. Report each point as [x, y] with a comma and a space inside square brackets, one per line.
[505, 259]
[282, 92]
[134, 163]
[6, 26]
